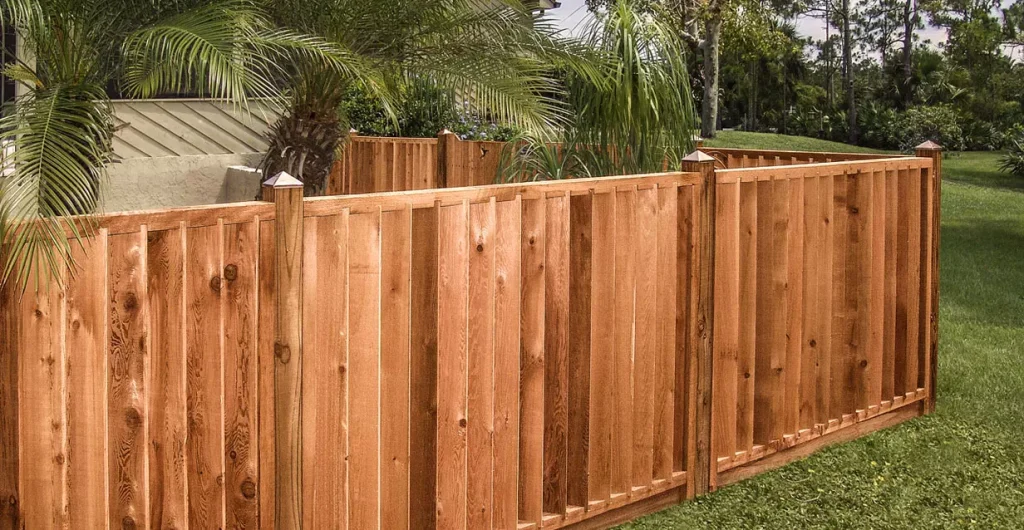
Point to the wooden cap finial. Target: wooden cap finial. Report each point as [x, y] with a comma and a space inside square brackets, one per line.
[283, 180]
[929, 146]
[698, 156]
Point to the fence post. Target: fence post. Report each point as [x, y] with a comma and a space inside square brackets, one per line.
[703, 469]
[287, 195]
[932, 150]
[446, 141]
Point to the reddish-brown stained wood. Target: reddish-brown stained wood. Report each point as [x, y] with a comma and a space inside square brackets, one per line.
[126, 396]
[43, 402]
[396, 259]
[602, 345]
[858, 289]
[265, 374]
[772, 309]
[238, 282]
[580, 279]
[480, 471]
[507, 257]
[452, 331]
[423, 370]
[794, 307]
[690, 335]
[889, 334]
[645, 351]
[324, 376]
[531, 402]
[665, 336]
[86, 330]
[556, 352]
[168, 429]
[844, 308]
[749, 329]
[876, 298]
[908, 272]
[727, 320]
[928, 207]
[9, 406]
[364, 273]
[203, 289]
[625, 292]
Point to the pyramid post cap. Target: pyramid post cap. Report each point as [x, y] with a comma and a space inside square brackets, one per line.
[698, 156]
[929, 145]
[353, 131]
[444, 132]
[283, 181]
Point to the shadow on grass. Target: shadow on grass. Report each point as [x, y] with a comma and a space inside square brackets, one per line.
[981, 274]
[979, 169]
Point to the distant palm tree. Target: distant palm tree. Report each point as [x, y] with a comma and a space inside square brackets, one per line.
[494, 56]
[638, 117]
[61, 128]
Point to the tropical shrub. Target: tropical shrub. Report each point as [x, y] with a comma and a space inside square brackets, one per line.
[939, 123]
[1013, 161]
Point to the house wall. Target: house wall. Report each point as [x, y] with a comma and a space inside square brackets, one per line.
[148, 183]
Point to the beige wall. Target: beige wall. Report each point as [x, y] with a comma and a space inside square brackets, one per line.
[147, 183]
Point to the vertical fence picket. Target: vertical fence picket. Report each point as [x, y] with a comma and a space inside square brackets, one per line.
[727, 312]
[507, 243]
[625, 282]
[749, 264]
[531, 407]
[480, 358]
[602, 347]
[580, 271]
[666, 275]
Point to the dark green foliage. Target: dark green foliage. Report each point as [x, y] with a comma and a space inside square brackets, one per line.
[1012, 161]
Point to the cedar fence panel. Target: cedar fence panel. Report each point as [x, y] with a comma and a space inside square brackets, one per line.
[506, 356]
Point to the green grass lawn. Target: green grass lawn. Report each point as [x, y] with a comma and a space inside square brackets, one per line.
[962, 467]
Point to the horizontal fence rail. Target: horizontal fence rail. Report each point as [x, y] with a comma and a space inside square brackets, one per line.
[508, 356]
[732, 158]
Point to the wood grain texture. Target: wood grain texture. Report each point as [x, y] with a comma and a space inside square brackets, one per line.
[666, 280]
[727, 311]
[204, 378]
[127, 391]
[889, 338]
[794, 308]
[241, 444]
[646, 329]
[531, 368]
[266, 331]
[87, 370]
[625, 292]
[168, 430]
[602, 346]
[396, 263]
[908, 272]
[481, 374]
[364, 276]
[324, 376]
[10, 511]
[556, 352]
[452, 374]
[579, 361]
[844, 348]
[43, 397]
[746, 375]
[423, 370]
[507, 244]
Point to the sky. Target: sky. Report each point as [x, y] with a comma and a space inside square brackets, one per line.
[572, 12]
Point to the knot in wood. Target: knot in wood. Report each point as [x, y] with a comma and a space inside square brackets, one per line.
[59, 459]
[76, 324]
[813, 343]
[233, 454]
[215, 284]
[864, 363]
[462, 422]
[282, 352]
[479, 247]
[12, 500]
[248, 489]
[132, 418]
[746, 375]
[128, 523]
[854, 210]
[38, 313]
[231, 272]
[131, 302]
[220, 479]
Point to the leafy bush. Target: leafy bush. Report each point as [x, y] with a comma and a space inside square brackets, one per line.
[939, 123]
[1013, 160]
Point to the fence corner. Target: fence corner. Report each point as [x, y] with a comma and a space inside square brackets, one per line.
[287, 193]
[933, 150]
[703, 470]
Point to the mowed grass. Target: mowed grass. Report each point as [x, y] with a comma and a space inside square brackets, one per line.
[962, 467]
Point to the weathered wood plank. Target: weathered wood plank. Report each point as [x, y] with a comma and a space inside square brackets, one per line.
[625, 292]
[876, 286]
[364, 274]
[10, 511]
[205, 393]
[127, 392]
[646, 329]
[891, 224]
[452, 375]
[480, 471]
[507, 243]
[749, 329]
[396, 259]
[844, 350]
[908, 270]
[794, 307]
[266, 330]
[727, 312]
[168, 430]
[423, 370]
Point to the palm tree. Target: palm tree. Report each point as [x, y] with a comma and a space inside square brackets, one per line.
[638, 118]
[62, 126]
[494, 56]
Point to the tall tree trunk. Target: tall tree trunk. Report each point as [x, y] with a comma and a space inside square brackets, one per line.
[909, 26]
[830, 91]
[709, 109]
[851, 100]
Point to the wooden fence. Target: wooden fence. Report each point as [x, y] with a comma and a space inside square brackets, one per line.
[731, 158]
[515, 356]
[378, 164]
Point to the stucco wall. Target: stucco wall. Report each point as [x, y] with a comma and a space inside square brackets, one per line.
[164, 182]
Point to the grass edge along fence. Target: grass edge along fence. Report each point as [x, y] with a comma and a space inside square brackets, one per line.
[561, 354]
